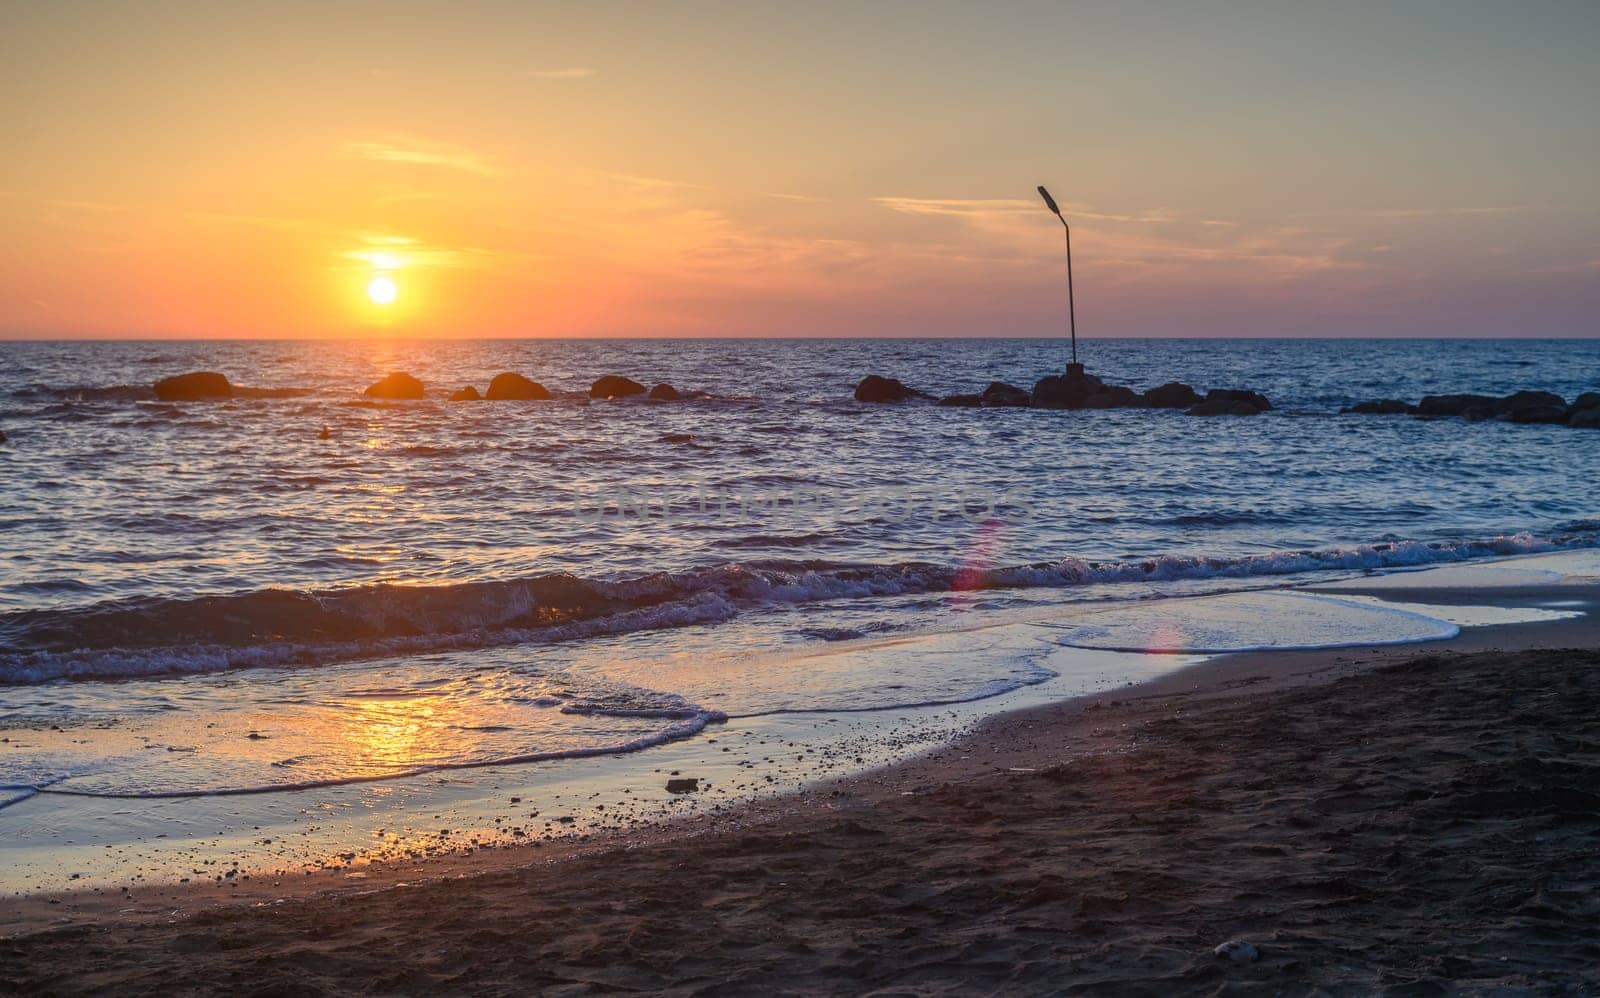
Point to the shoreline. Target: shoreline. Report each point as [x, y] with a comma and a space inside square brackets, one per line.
[1413, 819]
[1240, 674]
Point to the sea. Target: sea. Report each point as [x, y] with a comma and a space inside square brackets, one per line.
[302, 586]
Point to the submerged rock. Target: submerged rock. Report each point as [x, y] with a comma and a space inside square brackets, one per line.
[615, 386]
[665, 393]
[513, 387]
[1172, 395]
[874, 388]
[962, 401]
[1382, 407]
[398, 385]
[1000, 395]
[195, 386]
[467, 394]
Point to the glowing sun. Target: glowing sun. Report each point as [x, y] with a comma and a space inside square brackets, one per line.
[382, 289]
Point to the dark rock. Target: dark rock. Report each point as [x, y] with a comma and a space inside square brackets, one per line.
[1223, 407]
[194, 387]
[614, 386]
[685, 785]
[962, 401]
[1585, 419]
[1527, 400]
[1172, 395]
[512, 387]
[1454, 405]
[1588, 400]
[665, 393]
[1000, 395]
[467, 394]
[1239, 395]
[874, 388]
[1538, 414]
[1384, 407]
[2, 438]
[396, 386]
[1113, 397]
[676, 438]
[1065, 391]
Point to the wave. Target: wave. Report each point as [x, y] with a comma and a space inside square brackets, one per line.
[292, 628]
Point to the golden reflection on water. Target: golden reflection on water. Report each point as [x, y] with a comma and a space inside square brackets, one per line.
[389, 734]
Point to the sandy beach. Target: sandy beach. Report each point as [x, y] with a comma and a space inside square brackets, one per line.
[1402, 820]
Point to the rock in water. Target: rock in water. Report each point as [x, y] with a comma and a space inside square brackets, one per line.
[1527, 400]
[2, 438]
[1239, 395]
[1222, 407]
[467, 394]
[1113, 397]
[194, 387]
[1455, 405]
[1383, 407]
[1000, 395]
[962, 401]
[1238, 951]
[511, 387]
[665, 393]
[686, 785]
[1538, 414]
[1065, 391]
[1586, 419]
[1588, 400]
[1172, 395]
[874, 388]
[614, 386]
[398, 385]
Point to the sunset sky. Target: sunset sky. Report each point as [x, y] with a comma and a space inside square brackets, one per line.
[523, 169]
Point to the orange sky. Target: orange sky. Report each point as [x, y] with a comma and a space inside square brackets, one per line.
[719, 169]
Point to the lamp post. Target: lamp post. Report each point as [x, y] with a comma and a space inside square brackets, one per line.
[1074, 369]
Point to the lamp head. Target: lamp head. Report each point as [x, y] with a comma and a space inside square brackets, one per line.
[1049, 201]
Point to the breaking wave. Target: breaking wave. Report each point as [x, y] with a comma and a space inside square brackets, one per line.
[294, 628]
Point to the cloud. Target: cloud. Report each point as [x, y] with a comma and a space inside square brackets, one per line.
[449, 159]
[649, 183]
[797, 197]
[567, 73]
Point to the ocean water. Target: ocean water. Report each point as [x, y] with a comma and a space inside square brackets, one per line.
[210, 597]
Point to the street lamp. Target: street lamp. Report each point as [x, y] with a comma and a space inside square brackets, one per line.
[1072, 317]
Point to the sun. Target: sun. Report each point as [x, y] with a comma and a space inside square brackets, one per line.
[382, 289]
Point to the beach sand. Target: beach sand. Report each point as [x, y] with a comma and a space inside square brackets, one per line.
[1411, 820]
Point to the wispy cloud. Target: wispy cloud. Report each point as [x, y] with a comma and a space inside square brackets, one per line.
[414, 155]
[565, 73]
[797, 197]
[649, 183]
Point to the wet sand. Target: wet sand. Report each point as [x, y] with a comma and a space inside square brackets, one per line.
[1418, 820]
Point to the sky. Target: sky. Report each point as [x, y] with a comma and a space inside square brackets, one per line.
[818, 169]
